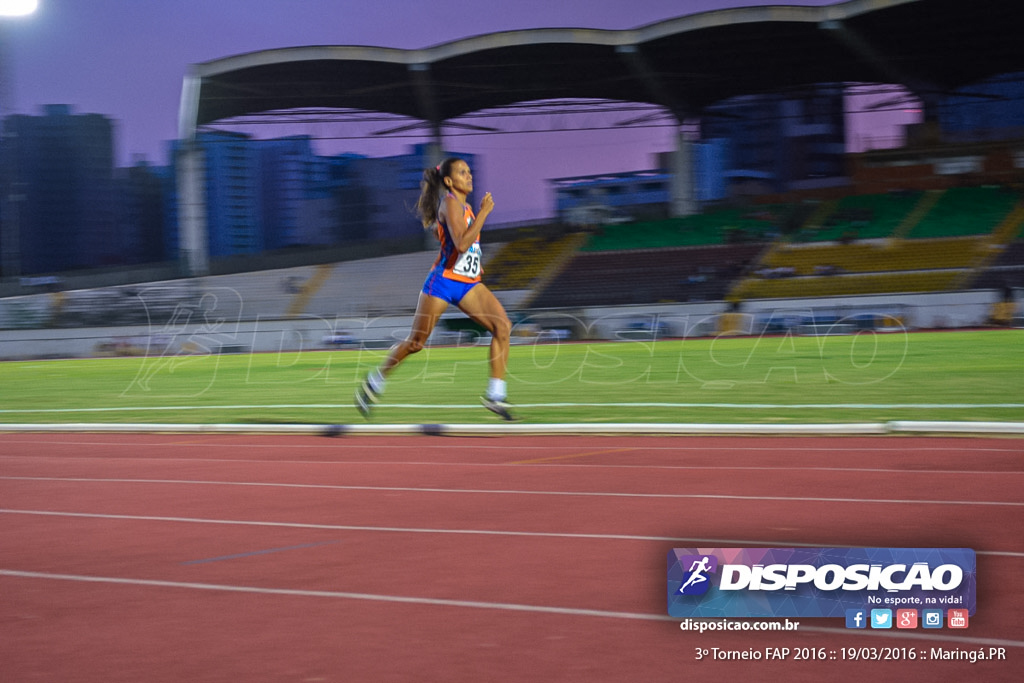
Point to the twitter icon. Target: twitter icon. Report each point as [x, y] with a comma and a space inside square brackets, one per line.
[881, 618]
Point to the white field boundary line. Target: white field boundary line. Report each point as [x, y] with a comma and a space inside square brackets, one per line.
[476, 406]
[519, 428]
[517, 492]
[442, 602]
[690, 542]
[494, 428]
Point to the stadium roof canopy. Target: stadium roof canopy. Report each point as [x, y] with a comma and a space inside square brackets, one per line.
[683, 64]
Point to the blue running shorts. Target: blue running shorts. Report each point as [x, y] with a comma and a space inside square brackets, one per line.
[452, 291]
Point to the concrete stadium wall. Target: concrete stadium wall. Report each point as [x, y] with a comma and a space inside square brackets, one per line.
[940, 310]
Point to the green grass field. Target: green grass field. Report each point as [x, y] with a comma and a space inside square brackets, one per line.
[976, 375]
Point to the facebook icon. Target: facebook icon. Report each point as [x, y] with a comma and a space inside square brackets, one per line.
[856, 618]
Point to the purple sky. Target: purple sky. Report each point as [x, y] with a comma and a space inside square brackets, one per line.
[126, 59]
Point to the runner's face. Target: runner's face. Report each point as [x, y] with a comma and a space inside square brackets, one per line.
[461, 178]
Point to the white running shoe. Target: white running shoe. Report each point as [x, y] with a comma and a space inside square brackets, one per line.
[365, 398]
[501, 408]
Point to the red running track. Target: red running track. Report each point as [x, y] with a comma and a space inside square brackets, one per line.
[163, 558]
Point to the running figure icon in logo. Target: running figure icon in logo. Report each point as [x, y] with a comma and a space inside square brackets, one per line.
[696, 582]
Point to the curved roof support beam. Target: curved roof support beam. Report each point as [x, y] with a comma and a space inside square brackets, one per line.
[681, 190]
[189, 162]
[737, 51]
[427, 102]
[188, 108]
[927, 92]
[660, 94]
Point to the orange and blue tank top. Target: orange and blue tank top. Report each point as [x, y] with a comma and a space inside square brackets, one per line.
[464, 267]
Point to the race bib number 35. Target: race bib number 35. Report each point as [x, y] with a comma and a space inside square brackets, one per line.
[469, 262]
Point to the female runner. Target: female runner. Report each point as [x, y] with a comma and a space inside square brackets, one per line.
[454, 279]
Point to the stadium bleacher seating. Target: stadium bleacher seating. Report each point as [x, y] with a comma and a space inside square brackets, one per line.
[930, 240]
[721, 226]
[528, 262]
[860, 217]
[146, 304]
[963, 211]
[849, 284]
[943, 239]
[1007, 269]
[355, 288]
[878, 255]
[371, 286]
[647, 275]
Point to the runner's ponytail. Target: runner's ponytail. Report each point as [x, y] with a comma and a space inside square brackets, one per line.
[432, 188]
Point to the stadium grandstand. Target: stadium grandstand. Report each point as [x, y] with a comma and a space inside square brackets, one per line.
[933, 215]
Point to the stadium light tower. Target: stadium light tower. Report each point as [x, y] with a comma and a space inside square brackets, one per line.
[10, 237]
[8, 10]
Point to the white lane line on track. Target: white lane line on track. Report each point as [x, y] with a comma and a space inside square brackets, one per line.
[427, 443]
[520, 492]
[337, 594]
[700, 542]
[576, 465]
[442, 602]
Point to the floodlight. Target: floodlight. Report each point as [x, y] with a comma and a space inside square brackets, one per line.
[17, 8]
